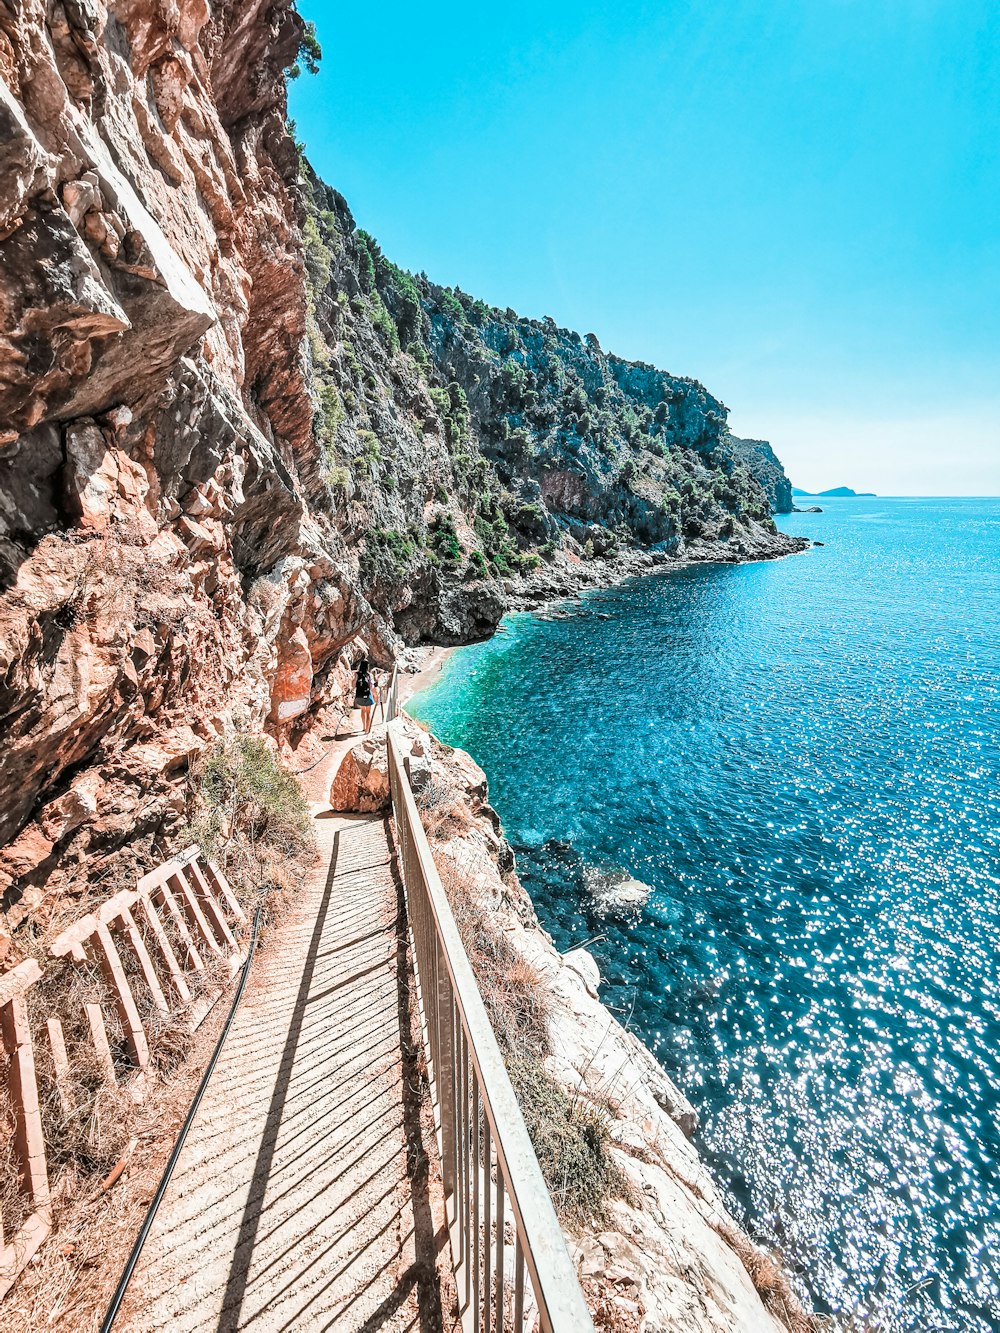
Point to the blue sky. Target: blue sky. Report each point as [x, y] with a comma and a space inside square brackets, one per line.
[795, 201]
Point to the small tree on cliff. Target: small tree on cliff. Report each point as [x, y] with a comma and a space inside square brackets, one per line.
[309, 54]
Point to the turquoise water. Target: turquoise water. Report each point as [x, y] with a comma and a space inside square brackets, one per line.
[802, 758]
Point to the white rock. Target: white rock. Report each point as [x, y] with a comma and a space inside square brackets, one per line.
[582, 963]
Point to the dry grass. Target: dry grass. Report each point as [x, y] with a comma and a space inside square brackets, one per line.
[88, 1133]
[772, 1285]
[251, 815]
[14, 1204]
[444, 811]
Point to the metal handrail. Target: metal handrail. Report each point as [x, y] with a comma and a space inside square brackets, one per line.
[488, 1162]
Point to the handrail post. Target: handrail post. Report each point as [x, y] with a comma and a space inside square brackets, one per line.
[445, 1078]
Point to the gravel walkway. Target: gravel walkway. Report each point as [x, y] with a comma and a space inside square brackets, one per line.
[292, 1206]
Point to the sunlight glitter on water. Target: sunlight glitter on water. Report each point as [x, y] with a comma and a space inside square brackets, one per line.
[802, 759]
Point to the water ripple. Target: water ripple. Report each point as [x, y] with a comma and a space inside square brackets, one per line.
[803, 760]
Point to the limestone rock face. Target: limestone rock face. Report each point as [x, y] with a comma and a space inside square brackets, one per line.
[166, 574]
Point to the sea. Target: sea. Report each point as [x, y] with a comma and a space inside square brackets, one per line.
[801, 759]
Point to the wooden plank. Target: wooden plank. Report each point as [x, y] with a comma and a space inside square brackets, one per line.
[21, 1248]
[22, 1088]
[114, 974]
[192, 908]
[138, 946]
[99, 1034]
[18, 979]
[166, 949]
[221, 885]
[72, 939]
[163, 891]
[210, 904]
[115, 907]
[60, 1063]
[152, 881]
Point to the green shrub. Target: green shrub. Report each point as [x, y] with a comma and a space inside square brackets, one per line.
[405, 296]
[367, 249]
[371, 450]
[350, 359]
[571, 1138]
[243, 793]
[331, 412]
[384, 324]
[449, 301]
[337, 477]
[478, 562]
[386, 555]
[317, 257]
[453, 408]
[443, 539]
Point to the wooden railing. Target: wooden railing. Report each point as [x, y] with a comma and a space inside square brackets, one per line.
[513, 1270]
[392, 697]
[142, 948]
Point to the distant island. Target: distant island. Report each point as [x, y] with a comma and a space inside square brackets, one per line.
[838, 493]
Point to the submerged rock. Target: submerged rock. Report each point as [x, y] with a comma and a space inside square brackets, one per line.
[619, 896]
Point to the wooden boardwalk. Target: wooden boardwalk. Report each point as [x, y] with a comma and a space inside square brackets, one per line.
[296, 1204]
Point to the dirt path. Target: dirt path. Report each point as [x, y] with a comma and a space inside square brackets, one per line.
[292, 1206]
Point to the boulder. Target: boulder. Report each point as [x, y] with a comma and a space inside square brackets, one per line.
[361, 783]
[621, 897]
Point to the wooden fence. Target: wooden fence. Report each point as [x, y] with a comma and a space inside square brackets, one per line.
[147, 950]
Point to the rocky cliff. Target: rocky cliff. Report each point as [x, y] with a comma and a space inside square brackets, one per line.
[766, 468]
[234, 437]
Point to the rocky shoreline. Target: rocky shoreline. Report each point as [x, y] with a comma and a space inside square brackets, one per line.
[662, 1252]
[567, 578]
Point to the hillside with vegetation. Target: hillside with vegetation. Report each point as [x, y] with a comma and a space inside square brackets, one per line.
[470, 450]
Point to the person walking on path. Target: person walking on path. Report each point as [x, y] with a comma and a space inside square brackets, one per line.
[364, 693]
